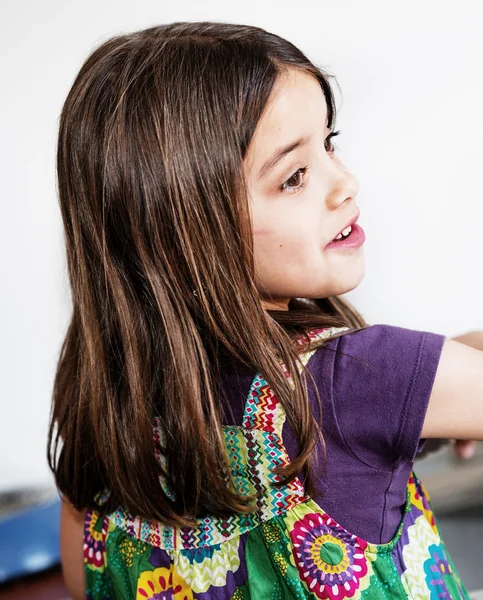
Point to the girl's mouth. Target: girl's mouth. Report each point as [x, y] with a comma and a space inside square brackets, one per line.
[354, 239]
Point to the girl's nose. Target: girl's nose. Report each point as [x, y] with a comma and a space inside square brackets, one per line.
[344, 186]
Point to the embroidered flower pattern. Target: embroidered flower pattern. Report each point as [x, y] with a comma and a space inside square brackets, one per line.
[216, 566]
[330, 560]
[436, 567]
[162, 584]
[420, 499]
[95, 540]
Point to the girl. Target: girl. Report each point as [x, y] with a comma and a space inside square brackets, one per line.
[224, 424]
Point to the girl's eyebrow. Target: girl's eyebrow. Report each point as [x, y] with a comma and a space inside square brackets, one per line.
[279, 154]
[282, 152]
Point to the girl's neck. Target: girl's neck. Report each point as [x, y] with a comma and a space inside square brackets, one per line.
[277, 304]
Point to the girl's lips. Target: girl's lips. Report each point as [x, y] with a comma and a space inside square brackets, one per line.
[355, 240]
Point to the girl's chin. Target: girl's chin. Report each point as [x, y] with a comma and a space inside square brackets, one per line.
[350, 280]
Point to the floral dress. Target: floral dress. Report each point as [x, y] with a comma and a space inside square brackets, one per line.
[289, 548]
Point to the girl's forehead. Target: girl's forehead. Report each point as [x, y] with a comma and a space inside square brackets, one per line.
[296, 109]
[295, 101]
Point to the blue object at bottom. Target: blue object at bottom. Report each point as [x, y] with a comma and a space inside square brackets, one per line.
[29, 540]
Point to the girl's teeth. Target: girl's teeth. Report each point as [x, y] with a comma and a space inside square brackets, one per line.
[344, 233]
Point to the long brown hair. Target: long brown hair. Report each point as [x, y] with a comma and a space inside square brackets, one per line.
[151, 142]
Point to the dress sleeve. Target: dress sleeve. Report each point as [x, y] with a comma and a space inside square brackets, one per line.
[381, 384]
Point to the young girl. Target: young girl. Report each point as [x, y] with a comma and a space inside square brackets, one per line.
[224, 424]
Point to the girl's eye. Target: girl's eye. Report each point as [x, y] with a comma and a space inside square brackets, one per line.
[287, 187]
[328, 138]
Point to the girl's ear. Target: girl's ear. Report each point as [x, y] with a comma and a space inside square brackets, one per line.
[71, 549]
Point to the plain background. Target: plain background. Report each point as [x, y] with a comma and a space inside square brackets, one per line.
[411, 131]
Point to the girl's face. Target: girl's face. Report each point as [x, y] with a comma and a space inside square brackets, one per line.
[302, 203]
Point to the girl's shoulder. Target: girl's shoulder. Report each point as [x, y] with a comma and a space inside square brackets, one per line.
[378, 381]
[379, 341]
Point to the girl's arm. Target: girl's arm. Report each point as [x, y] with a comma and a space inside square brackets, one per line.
[473, 339]
[455, 407]
[71, 550]
[467, 448]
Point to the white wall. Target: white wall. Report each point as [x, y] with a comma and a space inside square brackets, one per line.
[412, 133]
